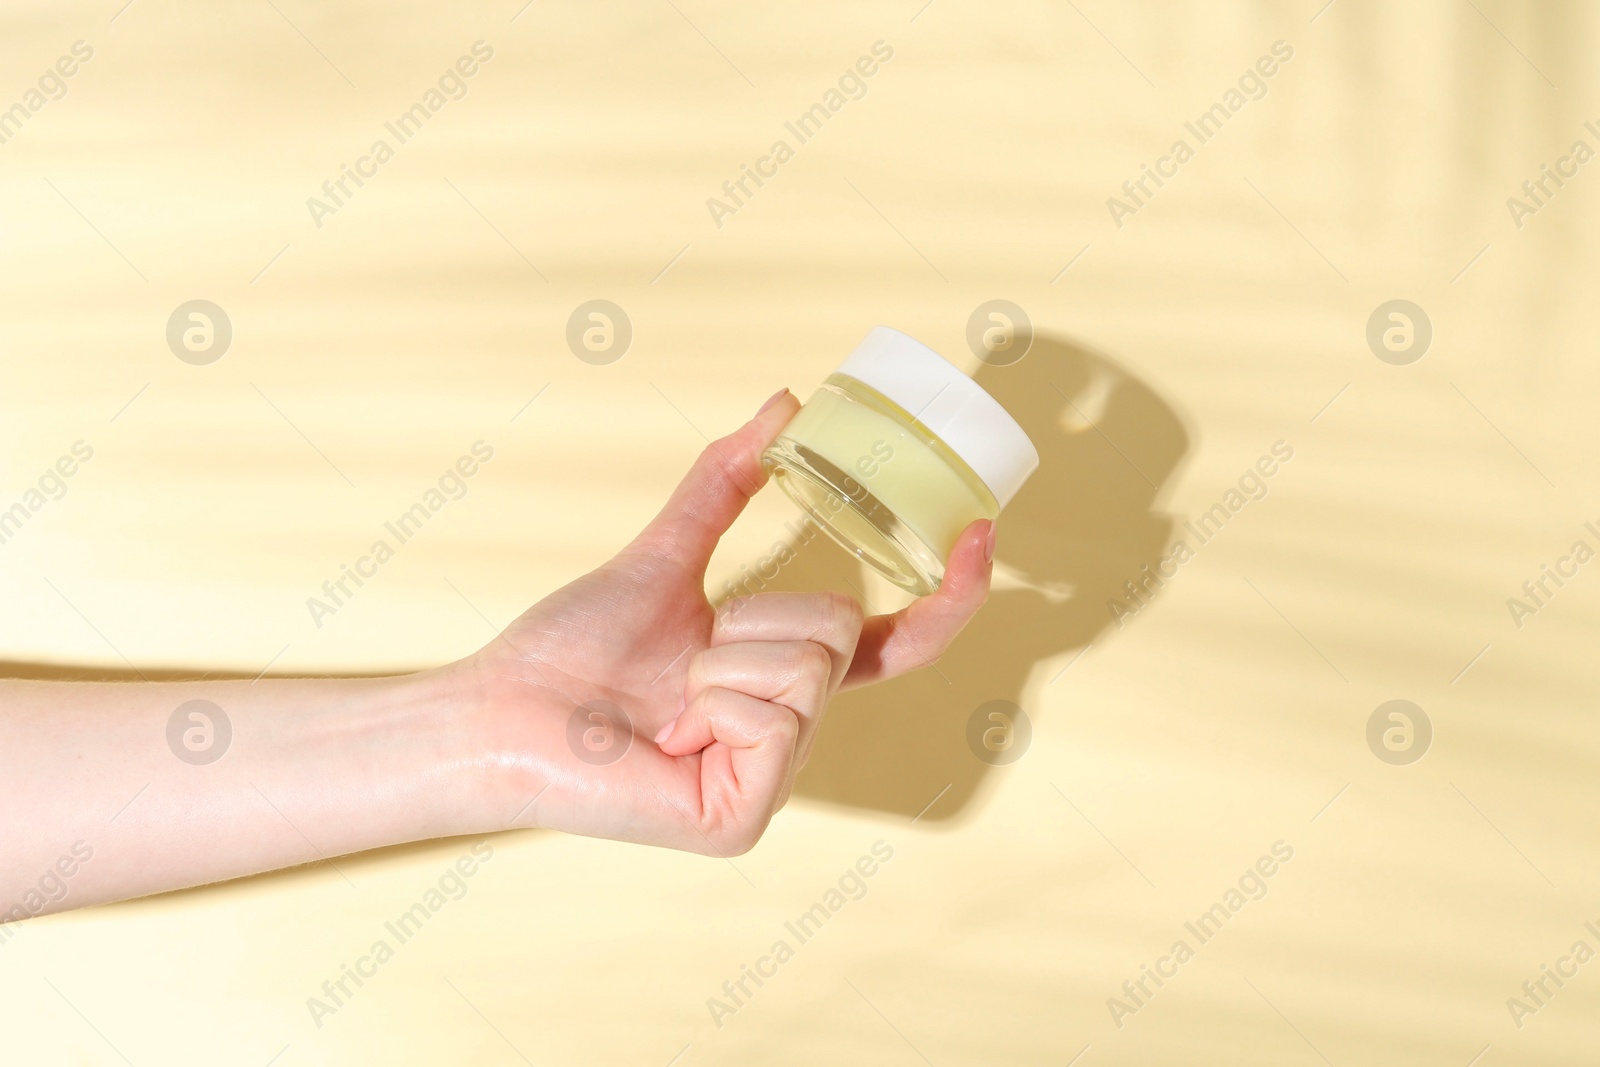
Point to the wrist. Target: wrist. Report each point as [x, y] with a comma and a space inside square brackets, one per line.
[423, 731]
[509, 731]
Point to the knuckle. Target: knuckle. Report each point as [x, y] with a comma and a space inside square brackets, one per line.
[722, 459]
[741, 841]
[728, 611]
[786, 726]
[815, 665]
[745, 835]
[730, 708]
[929, 656]
[714, 456]
[706, 703]
[731, 833]
[844, 613]
[699, 670]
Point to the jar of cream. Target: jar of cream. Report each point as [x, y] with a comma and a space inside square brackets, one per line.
[897, 453]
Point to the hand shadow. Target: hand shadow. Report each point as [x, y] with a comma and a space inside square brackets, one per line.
[1082, 526]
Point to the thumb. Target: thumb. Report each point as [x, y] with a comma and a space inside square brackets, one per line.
[716, 489]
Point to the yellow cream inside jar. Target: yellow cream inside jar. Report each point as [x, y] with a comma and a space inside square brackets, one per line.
[878, 478]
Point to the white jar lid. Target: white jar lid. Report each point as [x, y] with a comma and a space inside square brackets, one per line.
[956, 408]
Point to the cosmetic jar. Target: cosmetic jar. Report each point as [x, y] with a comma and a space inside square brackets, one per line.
[896, 453]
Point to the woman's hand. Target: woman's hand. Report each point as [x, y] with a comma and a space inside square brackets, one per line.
[624, 706]
[620, 706]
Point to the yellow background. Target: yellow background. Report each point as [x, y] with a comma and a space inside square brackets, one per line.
[1167, 754]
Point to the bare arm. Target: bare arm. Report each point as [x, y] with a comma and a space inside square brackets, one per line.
[99, 806]
[623, 705]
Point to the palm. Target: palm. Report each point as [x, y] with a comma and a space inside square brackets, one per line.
[620, 637]
[623, 633]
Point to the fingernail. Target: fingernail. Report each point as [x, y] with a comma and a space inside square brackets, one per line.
[774, 398]
[988, 545]
[666, 731]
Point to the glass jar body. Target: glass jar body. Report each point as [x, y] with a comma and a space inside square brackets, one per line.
[878, 482]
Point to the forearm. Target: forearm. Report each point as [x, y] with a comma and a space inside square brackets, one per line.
[315, 768]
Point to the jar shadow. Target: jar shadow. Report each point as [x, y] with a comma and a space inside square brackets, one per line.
[1083, 525]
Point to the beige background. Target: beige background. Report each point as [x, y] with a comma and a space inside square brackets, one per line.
[1167, 754]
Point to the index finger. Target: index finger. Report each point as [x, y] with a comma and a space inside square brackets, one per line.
[918, 634]
[723, 479]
